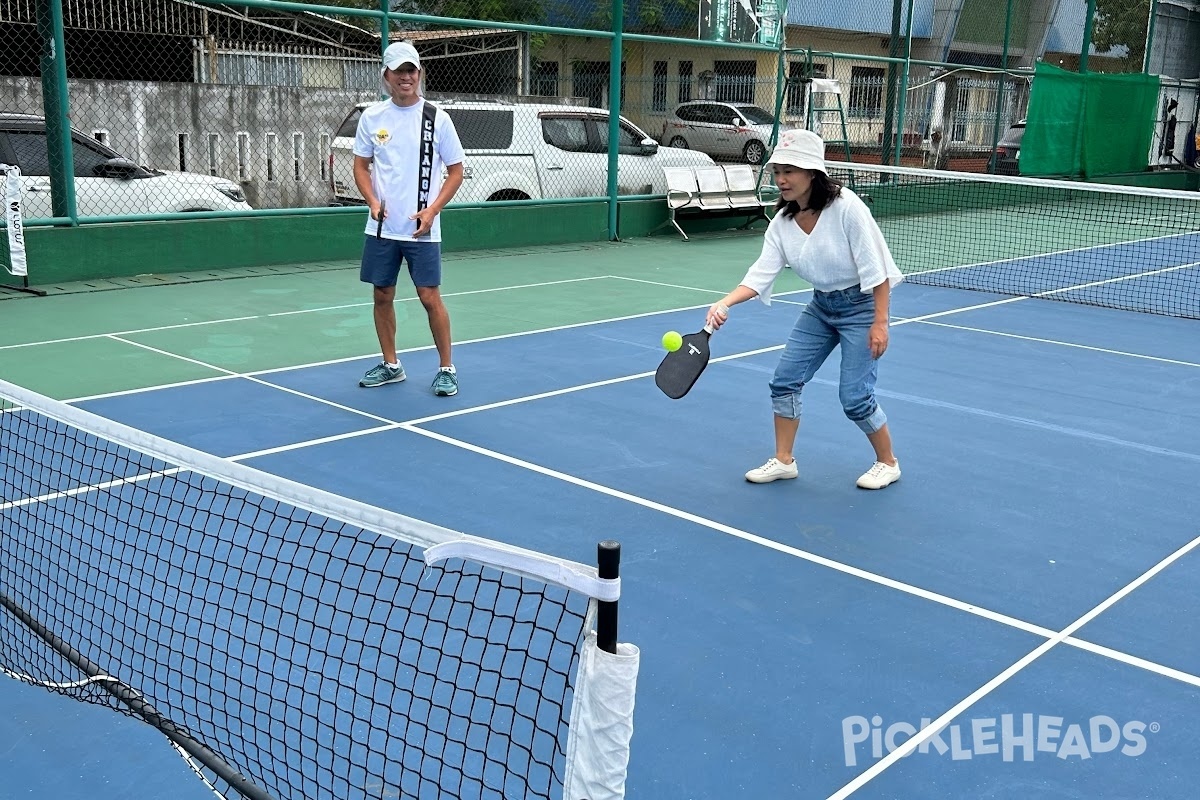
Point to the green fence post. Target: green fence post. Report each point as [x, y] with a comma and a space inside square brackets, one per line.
[1000, 84]
[904, 83]
[614, 113]
[1149, 36]
[384, 33]
[889, 101]
[1087, 36]
[55, 101]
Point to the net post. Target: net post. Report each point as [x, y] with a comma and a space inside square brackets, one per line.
[608, 560]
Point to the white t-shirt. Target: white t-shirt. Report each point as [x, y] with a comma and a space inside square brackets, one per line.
[391, 135]
[845, 248]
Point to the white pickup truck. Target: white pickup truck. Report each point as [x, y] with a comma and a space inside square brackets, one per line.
[528, 151]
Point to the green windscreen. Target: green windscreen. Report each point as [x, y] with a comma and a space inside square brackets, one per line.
[1088, 125]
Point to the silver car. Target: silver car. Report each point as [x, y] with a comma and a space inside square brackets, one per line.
[731, 130]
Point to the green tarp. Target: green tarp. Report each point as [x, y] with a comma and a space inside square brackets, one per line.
[1088, 125]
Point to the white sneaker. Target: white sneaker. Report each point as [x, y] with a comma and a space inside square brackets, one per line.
[879, 476]
[773, 470]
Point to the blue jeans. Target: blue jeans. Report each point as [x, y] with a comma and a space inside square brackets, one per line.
[843, 317]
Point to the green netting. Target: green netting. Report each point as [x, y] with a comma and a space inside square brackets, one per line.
[1088, 125]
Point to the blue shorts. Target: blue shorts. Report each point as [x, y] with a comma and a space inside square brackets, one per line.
[381, 261]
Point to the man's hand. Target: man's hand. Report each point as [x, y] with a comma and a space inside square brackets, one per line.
[424, 218]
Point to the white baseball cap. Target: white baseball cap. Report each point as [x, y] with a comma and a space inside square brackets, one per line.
[399, 53]
[799, 148]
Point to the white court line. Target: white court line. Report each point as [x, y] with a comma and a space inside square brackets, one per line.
[231, 374]
[934, 727]
[227, 374]
[95, 487]
[135, 331]
[448, 294]
[1060, 343]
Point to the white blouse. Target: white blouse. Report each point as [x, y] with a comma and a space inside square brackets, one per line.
[845, 248]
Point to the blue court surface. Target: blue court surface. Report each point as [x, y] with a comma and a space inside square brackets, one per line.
[1024, 603]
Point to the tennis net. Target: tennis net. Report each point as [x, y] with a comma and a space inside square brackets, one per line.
[1115, 246]
[294, 644]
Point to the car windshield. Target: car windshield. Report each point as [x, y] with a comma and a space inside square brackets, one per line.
[1013, 135]
[756, 115]
[349, 125]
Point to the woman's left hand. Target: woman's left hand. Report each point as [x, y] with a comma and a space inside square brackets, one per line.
[877, 338]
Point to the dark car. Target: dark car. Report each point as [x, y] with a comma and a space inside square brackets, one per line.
[1008, 150]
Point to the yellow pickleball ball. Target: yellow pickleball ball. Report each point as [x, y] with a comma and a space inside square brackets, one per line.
[672, 341]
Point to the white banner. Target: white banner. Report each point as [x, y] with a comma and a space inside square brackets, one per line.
[12, 216]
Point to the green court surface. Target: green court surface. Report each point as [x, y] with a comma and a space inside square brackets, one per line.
[83, 340]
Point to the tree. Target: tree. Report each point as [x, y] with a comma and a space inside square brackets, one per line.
[1122, 23]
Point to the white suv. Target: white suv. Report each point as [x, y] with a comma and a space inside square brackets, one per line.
[531, 151]
[106, 183]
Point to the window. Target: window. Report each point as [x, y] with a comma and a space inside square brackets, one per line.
[566, 133]
[590, 79]
[685, 81]
[30, 150]
[866, 92]
[181, 150]
[324, 156]
[660, 86]
[962, 114]
[87, 156]
[756, 116]
[243, 155]
[545, 79]
[349, 127]
[271, 140]
[297, 155]
[629, 141]
[735, 81]
[214, 153]
[481, 128]
[797, 87]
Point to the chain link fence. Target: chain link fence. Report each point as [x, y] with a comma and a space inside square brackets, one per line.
[200, 106]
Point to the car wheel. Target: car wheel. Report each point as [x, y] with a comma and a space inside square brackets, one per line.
[678, 141]
[755, 152]
[508, 194]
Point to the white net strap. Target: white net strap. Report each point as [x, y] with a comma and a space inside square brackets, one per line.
[12, 216]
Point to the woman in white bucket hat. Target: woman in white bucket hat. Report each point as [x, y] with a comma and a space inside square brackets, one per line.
[827, 235]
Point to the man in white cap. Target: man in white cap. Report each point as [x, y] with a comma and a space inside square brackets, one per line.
[400, 149]
[826, 234]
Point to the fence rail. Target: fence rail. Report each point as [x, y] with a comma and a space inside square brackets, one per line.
[243, 105]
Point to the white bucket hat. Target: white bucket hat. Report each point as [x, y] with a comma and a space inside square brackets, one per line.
[799, 148]
[396, 54]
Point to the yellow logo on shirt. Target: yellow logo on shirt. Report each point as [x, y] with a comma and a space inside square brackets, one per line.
[382, 136]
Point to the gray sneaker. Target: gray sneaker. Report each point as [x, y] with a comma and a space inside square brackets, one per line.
[445, 384]
[380, 374]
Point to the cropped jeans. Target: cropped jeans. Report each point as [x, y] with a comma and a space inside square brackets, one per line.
[842, 317]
